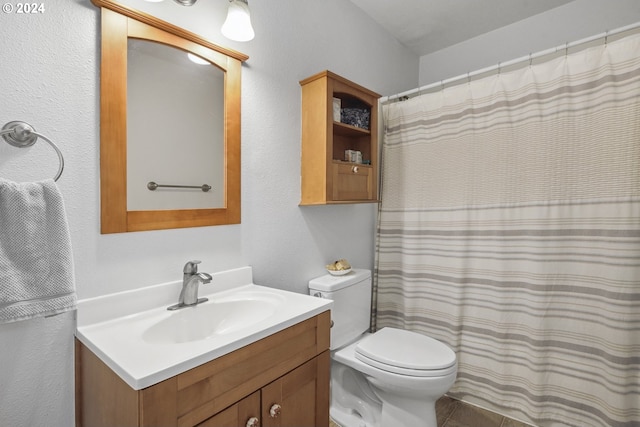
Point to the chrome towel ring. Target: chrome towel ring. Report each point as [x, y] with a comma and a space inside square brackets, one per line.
[21, 134]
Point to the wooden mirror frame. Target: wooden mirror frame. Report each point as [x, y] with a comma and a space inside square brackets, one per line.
[120, 22]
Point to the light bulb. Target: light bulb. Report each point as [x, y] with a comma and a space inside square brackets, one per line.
[196, 59]
[237, 26]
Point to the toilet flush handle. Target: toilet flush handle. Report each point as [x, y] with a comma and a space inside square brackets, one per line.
[319, 295]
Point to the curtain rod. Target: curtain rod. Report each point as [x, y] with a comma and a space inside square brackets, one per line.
[498, 66]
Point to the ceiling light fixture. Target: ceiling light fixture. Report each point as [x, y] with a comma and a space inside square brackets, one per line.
[237, 26]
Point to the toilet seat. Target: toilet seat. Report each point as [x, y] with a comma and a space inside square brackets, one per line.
[406, 353]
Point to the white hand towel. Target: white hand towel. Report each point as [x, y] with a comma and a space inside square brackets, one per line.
[36, 263]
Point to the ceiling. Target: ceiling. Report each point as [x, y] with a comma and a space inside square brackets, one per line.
[426, 26]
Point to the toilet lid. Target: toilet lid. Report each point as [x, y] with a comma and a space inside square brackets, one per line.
[405, 352]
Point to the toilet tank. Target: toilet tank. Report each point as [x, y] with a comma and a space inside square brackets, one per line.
[351, 296]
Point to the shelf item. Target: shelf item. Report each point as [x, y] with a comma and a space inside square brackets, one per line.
[326, 177]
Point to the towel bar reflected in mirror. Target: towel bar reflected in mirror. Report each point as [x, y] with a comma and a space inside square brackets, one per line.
[153, 186]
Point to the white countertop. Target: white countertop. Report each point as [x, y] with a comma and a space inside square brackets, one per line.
[112, 326]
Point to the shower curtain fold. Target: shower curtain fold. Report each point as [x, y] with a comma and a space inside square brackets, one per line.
[509, 229]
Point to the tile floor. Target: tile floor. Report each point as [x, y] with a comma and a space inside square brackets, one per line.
[454, 413]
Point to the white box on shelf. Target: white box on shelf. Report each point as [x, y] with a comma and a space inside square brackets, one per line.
[337, 105]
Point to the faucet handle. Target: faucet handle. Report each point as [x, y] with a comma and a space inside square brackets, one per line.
[191, 267]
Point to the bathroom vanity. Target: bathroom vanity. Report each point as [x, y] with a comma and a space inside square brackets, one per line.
[272, 370]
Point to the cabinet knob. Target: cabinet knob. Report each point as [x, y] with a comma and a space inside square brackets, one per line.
[253, 422]
[354, 169]
[275, 410]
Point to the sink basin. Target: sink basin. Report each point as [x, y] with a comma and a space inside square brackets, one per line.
[214, 317]
[135, 335]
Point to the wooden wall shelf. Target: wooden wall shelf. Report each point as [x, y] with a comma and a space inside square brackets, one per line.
[326, 177]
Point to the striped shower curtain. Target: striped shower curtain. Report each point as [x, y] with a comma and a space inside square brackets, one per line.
[509, 229]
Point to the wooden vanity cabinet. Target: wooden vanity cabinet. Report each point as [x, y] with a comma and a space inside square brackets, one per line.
[326, 176]
[279, 381]
[241, 414]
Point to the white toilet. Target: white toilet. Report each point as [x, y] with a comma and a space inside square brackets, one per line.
[391, 378]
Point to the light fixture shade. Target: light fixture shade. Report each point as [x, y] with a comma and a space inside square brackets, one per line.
[237, 26]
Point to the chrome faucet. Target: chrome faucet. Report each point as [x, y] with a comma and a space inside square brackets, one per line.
[190, 281]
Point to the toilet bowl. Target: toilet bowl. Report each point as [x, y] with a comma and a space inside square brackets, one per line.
[408, 387]
[391, 377]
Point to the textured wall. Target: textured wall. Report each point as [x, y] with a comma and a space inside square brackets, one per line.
[50, 78]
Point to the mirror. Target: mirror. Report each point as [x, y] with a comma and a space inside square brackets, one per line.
[192, 142]
[175, 136]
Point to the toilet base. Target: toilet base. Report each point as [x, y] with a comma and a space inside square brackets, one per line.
[403, 410]
[365, 396]
[390, 416]
[353, 402]
[348, 419]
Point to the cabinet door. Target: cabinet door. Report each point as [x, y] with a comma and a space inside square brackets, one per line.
[245, 413]
[300, 398]
[352, 181]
